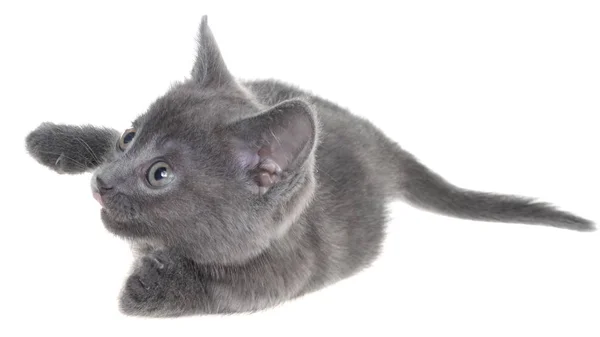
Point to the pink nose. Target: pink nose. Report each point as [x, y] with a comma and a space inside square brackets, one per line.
[98, 198]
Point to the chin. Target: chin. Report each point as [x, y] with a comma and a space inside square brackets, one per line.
[122, 225]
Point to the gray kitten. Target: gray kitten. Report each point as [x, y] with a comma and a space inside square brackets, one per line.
[237, 196]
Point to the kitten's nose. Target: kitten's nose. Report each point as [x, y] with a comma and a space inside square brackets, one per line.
[103, 187]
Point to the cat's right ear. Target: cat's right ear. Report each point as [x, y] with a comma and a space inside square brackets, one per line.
[209, 70]
[276, 144]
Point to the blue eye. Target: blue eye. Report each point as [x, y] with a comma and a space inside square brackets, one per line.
[126, 138]
[160, 174]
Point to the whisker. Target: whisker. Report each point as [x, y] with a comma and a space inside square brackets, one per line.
[89, 149]
[61, 154]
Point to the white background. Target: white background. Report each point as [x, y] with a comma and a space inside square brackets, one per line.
[494, 95]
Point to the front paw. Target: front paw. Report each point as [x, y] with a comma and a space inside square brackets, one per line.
[69, 148]
[150, 289]
[51, 145]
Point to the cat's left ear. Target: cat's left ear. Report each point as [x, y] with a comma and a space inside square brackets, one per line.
[210, 69]
[274, 145]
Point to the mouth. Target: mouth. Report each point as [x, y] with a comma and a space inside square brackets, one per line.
[115, 207]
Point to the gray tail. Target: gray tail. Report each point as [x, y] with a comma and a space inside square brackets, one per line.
[425, 189]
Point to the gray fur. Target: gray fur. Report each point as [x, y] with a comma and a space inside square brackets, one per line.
[276, 192]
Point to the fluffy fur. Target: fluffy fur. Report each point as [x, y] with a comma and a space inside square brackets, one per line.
[274, 193]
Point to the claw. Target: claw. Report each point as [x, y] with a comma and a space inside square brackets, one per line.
[59, 159]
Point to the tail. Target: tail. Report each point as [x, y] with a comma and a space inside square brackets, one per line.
[425, 189]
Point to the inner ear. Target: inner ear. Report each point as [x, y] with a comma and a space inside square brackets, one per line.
[274, 144]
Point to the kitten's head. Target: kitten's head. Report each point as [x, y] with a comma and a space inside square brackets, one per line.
[209, 170]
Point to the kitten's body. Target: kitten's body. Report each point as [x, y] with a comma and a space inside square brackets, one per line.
[343, 226]
[276, 193]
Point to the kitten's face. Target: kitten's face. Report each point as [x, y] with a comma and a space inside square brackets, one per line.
[169, 181]
[179, 176]
[209, 171]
